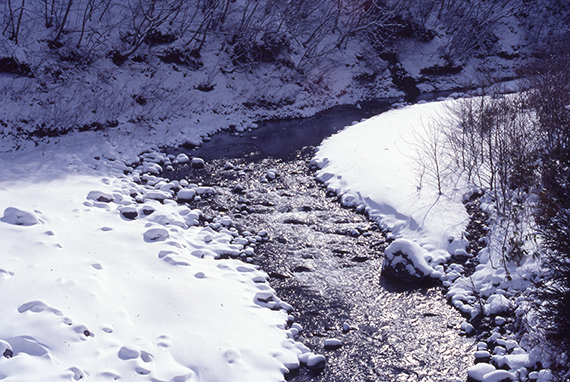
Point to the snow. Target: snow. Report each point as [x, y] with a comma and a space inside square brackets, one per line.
[99, 280]
[373, 165]
[106, 278]
[16, 216]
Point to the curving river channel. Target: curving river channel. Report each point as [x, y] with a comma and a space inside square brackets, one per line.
[325, 260]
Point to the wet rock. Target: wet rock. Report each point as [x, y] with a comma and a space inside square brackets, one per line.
[238, 189]
[467, 328]
[278, 276]
[271, 174]
[294, 221]
[332, 344]
[354, 233]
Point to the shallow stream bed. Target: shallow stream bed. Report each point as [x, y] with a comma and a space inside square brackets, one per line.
[325, 260]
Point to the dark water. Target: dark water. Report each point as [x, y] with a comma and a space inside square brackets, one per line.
[282, 138]
[325, 260]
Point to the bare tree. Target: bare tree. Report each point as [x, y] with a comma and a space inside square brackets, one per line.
[14, 22]
[147, 16]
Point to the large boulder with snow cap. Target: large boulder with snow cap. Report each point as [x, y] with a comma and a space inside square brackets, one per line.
[406, 261]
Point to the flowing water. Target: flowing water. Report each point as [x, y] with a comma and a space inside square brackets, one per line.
[325, 260]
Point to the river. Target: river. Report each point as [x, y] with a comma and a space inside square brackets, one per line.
[325, 260]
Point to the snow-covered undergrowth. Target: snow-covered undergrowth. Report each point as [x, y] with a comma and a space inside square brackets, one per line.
[374, 167]
[172, 79]
[103, 276]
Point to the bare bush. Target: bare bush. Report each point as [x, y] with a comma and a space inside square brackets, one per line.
[496, 142]
[434, 164]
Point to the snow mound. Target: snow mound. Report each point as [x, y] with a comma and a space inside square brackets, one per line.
[15, 216]
[499, 376]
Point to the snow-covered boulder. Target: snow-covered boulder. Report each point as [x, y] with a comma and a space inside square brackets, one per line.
[406, 261]
[99, 196]
[151, 168]
[129, 212]
[155, 235]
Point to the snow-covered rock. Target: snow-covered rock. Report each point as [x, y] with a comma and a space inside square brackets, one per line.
[182, 158]
[499, 376]
[198, 163]
[405, 260]
[98, 196]
[156, 234]
[129, 212]
[186, 194]
[313, 361]
[151, 168]
[497, 304]
[479, 371]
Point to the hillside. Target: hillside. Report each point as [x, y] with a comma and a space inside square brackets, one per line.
[172, 65]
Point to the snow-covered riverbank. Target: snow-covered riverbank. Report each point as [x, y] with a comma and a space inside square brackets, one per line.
[385, 166]
[104, 278]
